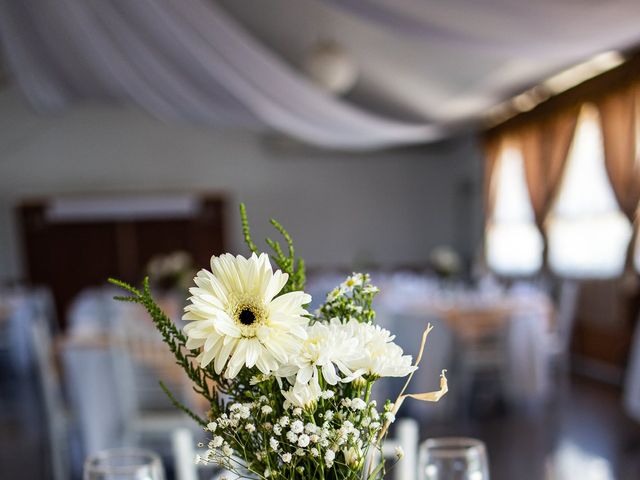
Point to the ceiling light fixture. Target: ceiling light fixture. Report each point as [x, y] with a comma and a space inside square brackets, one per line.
[331, 67]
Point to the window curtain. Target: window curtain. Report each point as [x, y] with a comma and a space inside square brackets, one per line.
[545, 146]
[492, 147]
[619, 119]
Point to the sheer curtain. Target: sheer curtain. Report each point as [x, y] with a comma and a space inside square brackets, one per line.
[513, 243]
[620, 130]
[588, 234]
[545, 146]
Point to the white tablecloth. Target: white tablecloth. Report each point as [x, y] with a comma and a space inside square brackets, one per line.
[409, 302]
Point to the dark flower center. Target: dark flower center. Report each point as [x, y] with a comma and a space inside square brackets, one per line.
[247, 317]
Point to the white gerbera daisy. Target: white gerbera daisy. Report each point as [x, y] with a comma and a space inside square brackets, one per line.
[237, 320]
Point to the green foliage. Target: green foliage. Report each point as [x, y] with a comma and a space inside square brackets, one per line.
[176, 341]
[353, 298]
[288, 262]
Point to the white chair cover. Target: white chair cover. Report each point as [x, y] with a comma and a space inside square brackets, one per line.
[632, 381]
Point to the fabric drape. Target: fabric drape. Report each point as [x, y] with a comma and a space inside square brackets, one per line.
[492, 148]
[620, 128]
[618, 117]
[545, 147]
[184, 59]
[540, 29]
[191, 60]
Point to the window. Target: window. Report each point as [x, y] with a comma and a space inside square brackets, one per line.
[513, 243]
[587, 232]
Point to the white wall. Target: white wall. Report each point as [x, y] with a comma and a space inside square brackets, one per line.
[389, 207]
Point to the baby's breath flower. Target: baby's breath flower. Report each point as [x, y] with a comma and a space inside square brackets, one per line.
[211, 426]
[277, 429]
[303, 440]
[297, 427]
[286, 457]
[217, 441]
[274, 443]
[250, 427]
[297, 411]
[399, 452]
[329, 457]
[314, 452]
[284, 421]
[292, 437]
[266, 409]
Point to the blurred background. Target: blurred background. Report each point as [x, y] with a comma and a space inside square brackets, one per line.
[479, 159]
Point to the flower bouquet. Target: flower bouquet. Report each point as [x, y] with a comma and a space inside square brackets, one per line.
[289, 390]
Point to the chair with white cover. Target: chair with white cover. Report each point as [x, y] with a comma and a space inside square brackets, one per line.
[140, 359]
[51, 391]
[566, 306]
[407, 438]
[631, 397]
[184, 458]
[184, 454]
[108, 391]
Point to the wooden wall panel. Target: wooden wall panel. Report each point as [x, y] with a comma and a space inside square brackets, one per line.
[69, 256]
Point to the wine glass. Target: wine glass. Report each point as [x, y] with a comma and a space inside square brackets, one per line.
[453, 458]
[124, 464]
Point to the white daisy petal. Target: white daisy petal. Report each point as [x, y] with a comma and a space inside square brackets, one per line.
[236, 318]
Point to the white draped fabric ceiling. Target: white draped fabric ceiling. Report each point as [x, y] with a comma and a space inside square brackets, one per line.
[193, 60]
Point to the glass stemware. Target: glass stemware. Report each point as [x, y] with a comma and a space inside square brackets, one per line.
[124, 464]
[454, 458]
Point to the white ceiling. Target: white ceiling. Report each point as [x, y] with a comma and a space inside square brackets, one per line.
[421, 77]
[427, 68]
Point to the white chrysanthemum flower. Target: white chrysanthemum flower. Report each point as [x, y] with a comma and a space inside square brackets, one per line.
[380, 356]
[327, 346]
[237, 320]
[303, 396]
